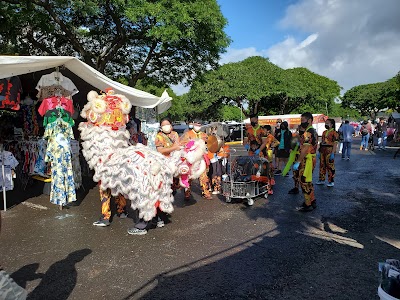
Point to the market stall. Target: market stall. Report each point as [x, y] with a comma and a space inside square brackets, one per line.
[39, 111]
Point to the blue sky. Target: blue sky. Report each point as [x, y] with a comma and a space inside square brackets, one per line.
[351, 41]
[254, 23]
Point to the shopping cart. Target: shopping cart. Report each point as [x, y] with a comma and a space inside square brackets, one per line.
[248, 178]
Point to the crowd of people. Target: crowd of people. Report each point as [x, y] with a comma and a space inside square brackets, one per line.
[371, 132]
[300, 150]
[303, 146]
[278, 144]
[166, 142]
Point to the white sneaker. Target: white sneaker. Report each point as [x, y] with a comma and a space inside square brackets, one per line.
[330, 184]
[160, 224]
[320, 182]
[137, 231]
[215, 192]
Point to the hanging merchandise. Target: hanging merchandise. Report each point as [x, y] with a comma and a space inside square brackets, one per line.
[56, 102]
[28, 110]
[55, 83]
[58, 152]
[38, 156]
[9, 162]
[34, 156]
[7, 120]
[10, 93]
[57, 110]
[150, 131]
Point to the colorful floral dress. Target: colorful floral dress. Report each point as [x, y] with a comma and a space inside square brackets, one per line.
[58, 152]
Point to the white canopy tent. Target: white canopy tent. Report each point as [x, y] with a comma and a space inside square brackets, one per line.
[18, 65]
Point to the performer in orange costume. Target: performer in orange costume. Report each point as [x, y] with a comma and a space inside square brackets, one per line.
[255, 134]
[327, 150]
[191, 134]
[306, 162]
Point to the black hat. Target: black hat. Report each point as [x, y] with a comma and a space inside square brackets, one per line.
[196, 122]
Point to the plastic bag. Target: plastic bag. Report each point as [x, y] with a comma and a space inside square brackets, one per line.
[9, 290]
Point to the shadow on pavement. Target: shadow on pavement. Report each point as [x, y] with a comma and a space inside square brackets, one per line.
[325, 254]
[19, 194]
[34, 189]
[58, 282]
[302, 258]
[26, 273]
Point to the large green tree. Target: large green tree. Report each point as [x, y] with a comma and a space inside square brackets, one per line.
[267, 88]
[231, 113]
[302, 90]
[390, 93]
[177, 111]
[233, 83]
[369, 99]
[337, 110]
[364, 98]
[169, 40]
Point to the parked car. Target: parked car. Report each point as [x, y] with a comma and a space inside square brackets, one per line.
[180, 127]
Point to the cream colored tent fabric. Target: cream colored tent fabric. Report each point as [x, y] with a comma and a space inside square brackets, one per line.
[18, 65]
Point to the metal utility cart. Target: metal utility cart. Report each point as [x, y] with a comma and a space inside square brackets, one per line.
[248, 178]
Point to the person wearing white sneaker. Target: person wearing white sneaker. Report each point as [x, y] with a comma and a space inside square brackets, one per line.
[327, 150]
[142, 227]
[106, 197]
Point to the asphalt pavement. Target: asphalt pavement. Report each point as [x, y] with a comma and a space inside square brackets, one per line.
[216, 250]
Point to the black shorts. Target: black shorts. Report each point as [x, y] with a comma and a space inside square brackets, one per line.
[282, 153]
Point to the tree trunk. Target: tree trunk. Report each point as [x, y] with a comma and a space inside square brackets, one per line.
[283, 105]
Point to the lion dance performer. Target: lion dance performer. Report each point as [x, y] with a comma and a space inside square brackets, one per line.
[138, 173]
[306, 161]
[194, 134]
[326, 154]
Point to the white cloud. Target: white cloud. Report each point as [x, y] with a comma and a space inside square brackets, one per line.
[352, 42]
[231, 55]
[180, 89]
[235, 55]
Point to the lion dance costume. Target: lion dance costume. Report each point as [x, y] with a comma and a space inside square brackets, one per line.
[137, 173]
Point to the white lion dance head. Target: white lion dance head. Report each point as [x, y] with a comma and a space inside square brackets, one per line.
[107, 109]
[142, 175]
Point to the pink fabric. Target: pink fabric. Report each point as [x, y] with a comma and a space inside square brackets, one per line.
[189, 145]
[51, 103]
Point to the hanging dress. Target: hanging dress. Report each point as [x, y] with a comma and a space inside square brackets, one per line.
[58, 152]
